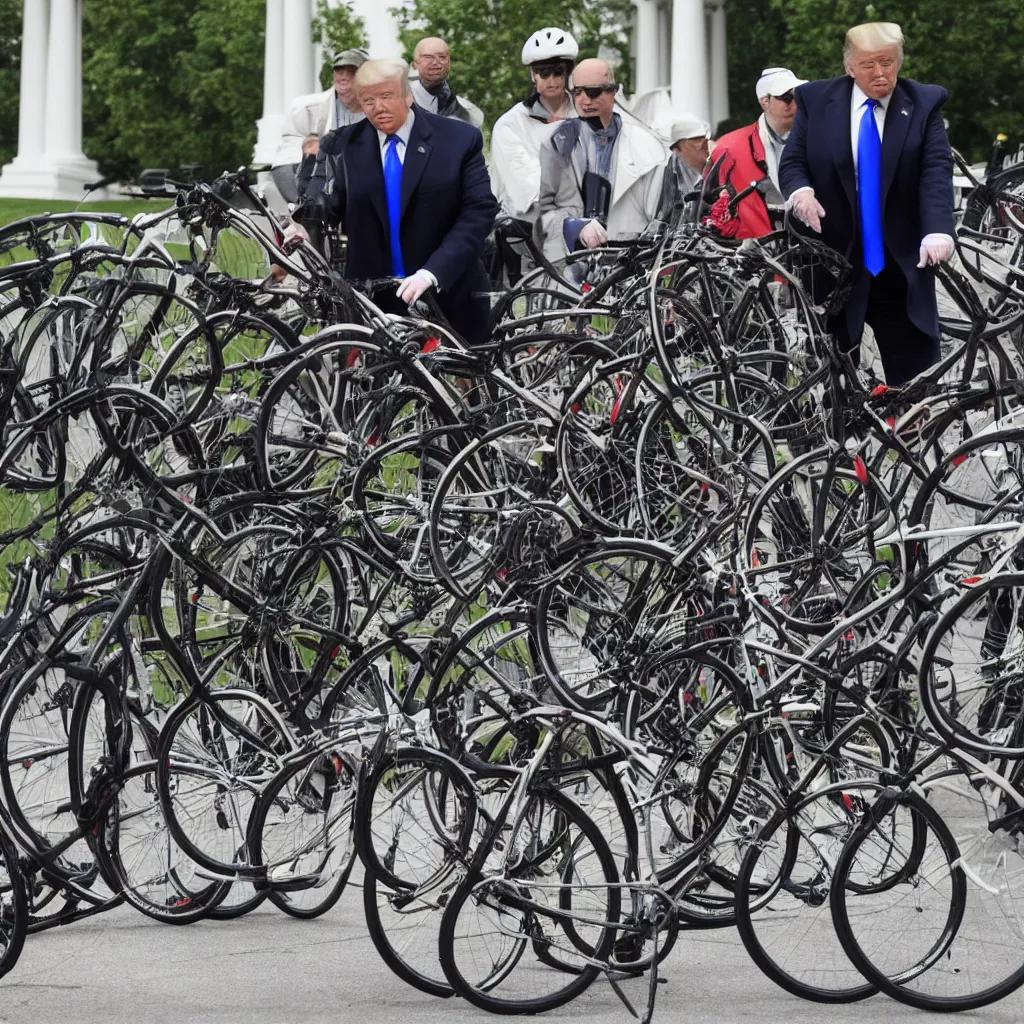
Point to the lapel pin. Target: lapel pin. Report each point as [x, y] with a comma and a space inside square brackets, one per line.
[420, 149]
[904, 112]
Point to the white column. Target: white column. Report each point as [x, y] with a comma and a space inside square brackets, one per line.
[53, 165]
[664, 42]
[297, 47]
[719, 60]
[689, 58]
[381, 27]
[645, 47]
[270, 126]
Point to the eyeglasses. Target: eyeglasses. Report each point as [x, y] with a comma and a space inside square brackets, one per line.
[786, 97]
[593, 91]
[546, 73]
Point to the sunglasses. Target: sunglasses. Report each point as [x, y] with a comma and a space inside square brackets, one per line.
[593, 91]
[547, 73]
[786, 97]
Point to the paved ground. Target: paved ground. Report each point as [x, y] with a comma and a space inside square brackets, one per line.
[269, 969]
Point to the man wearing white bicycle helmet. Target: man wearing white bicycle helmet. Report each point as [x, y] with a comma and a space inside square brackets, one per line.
[550, 54]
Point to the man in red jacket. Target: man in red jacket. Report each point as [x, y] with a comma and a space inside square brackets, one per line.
[752, 154]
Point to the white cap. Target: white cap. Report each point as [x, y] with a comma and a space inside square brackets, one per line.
[688, 126]
[776, 81]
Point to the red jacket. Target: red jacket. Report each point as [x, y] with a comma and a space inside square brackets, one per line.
[737, 160]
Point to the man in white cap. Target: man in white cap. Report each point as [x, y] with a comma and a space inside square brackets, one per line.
[752, 154]
[690, 143]
[311, 117]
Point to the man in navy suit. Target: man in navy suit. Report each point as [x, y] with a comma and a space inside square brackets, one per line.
[868, 166]
[414, 198]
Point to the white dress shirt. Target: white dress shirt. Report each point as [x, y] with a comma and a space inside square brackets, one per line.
[857, 101]
[403, 134]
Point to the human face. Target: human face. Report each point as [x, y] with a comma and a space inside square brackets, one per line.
[550, 84]
[875, 71]
[603, 104]
[433, 62]
[781, 111]
[384, 105]
[693, 152]
[345, 85]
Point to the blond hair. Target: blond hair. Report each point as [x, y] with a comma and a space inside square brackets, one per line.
[374, 72]
[873, 35]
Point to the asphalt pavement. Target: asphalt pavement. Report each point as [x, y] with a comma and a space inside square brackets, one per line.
[121, 968]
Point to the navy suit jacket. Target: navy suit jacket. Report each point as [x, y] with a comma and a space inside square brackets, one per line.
[448, 211]
[917, 182]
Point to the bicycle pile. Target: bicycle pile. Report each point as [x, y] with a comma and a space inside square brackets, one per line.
[655, 614]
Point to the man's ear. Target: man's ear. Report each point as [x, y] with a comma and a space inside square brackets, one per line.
[765, 102]
[409, 100]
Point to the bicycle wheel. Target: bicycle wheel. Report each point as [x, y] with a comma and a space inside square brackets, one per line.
[155, 875]
[13, 906]
[416, 812]
[557, 900]
[404, 925]
[301, 832]
[905, 937]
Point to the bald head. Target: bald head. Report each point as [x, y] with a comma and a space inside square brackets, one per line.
[593, 89]
[593, 71]
[432, 60]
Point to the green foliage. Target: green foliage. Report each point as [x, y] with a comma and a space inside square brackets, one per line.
[10, 70]
[486, 38]
[165, 84]
[337, 28]
[972, 48]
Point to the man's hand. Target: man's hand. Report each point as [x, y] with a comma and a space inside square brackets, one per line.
[310, 145]
[593, 234]
[935, 249]
[413, 287]
[807, 209]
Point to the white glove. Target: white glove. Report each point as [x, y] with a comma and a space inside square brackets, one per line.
[413, 287]
[593, 234]
[935, 249]
[807, 209]
[294, 233]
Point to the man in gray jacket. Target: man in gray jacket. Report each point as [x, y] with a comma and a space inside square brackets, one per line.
[600, 175]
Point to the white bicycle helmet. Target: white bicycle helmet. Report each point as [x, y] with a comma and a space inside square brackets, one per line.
[550, 44]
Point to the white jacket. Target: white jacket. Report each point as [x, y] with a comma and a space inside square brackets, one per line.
[474, 115]
[640, 159]
[515, 156]
[313, 114]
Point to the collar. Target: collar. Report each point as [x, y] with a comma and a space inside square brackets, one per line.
[403, 133]
[779, 140]
[610, 132]
[536, 109]
[860, 98]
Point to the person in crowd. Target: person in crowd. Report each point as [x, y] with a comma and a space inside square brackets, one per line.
[411, 191]
[311, 117]
[550, 54]
[690, 142]
[600, 175]
[868, 168]
[431, 90]
[751, 154]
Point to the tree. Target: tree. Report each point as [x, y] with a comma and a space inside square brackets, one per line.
[973, 49]
[10, 71]
[486, 38]
[165, 84]
[337, 28]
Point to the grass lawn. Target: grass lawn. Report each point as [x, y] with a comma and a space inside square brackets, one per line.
[15, 209]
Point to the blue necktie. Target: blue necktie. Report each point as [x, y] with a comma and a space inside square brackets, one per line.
[869, 189]
[393, 189]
